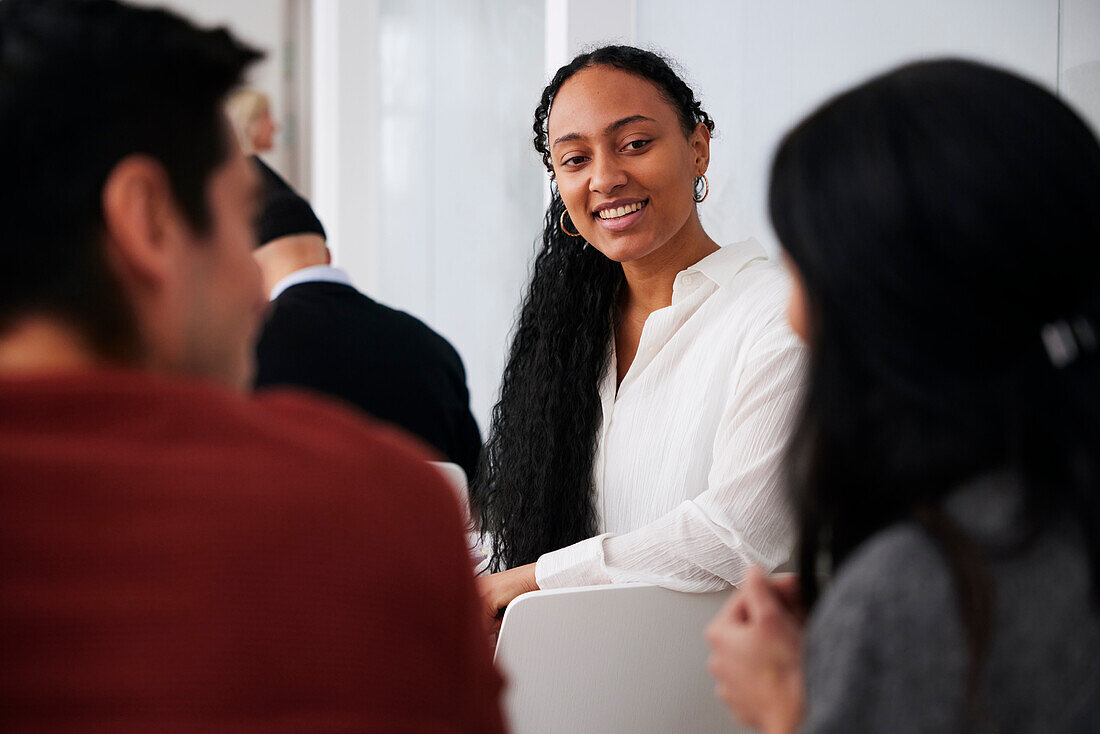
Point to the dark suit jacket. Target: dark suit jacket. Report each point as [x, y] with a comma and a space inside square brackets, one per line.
[331, 338]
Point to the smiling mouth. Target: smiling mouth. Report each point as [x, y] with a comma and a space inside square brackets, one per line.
[612, 214]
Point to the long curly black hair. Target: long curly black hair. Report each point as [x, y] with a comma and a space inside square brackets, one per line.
[534, 492]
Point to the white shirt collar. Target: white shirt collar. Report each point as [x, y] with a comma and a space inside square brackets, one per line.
[721, 266]
[312, 274]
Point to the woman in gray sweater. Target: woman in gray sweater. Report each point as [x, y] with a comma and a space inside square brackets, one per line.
[943, 225]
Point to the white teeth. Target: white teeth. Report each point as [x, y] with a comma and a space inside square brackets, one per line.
[622, 211]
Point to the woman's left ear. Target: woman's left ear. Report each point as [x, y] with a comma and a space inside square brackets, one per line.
[700, 144]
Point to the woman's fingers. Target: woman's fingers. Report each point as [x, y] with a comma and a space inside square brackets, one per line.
[733, 609]
[773, 598]
[499, 589]
[491, 600]
[755, 652]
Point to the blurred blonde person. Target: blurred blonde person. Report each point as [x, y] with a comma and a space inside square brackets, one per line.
[249, 112]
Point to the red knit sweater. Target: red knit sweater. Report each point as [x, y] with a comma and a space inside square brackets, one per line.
[176, 558]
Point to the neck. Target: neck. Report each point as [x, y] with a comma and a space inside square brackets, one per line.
[39, 344]
[287, 255]
[275, 274]
[649, 279]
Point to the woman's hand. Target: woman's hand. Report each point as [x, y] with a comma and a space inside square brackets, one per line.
[499, 589]
[756, 654]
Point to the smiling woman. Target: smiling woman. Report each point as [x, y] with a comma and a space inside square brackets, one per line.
[628, 184]
[652, 377]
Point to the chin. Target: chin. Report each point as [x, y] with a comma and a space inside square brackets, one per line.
[624, 251]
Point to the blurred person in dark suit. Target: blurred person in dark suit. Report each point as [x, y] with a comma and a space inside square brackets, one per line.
[323, 334]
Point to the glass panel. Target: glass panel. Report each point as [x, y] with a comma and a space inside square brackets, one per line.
[462, 189]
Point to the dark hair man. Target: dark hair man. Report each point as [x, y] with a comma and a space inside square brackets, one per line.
[178, 556]
[323, 334]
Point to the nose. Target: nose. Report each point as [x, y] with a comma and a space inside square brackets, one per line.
[607, 174]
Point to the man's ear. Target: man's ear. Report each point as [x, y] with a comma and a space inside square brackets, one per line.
[143, 223]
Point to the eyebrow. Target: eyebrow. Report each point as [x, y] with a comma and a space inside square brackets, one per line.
[607, 130]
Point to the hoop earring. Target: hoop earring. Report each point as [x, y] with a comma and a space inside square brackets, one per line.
[561, 221]
[706, 188]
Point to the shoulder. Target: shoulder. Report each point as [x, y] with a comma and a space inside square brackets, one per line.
[744, 325]
[288, 449]
[342, 508]
[763, 290]
[746, 268]
[303, 308]
[896, 588]
[412, 327]
[753, 294]
[755, 309]
[325, 425]
[303, 440]
[312, 289]
[359, 315]
[899, 563]
[885, 648]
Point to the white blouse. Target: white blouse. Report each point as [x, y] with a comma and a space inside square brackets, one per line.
[688, 472]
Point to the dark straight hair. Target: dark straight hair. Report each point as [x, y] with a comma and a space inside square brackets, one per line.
[83, 84]
[944, 217]
[534, 492]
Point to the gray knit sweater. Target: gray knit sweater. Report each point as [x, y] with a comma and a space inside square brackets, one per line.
[886, 651]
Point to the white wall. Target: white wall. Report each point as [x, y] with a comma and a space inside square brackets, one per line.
[1079, 65]
[344, 134]
[573, 25]
[760, 66]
